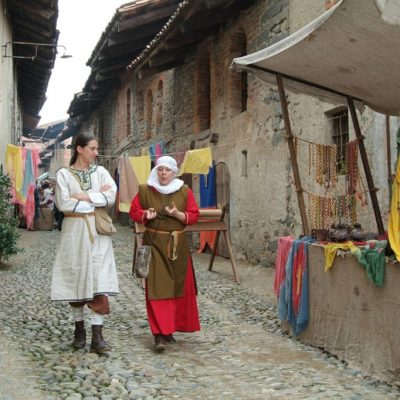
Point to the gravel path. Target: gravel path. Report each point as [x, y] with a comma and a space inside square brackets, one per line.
[239, 354]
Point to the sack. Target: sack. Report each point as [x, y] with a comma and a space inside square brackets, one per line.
[104, 225]
[45, 222]
[142, 262]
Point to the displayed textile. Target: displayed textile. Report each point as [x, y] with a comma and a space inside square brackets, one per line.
[28, 177]
[154, 151]
[373, 260]
[128, 184]
[208, 199]
[331, 249]
[196, 162]
[284, 246]
[394, 216]
[208, 196]
[29, 209]
[14, 168]
[293, 293]
[141, 167]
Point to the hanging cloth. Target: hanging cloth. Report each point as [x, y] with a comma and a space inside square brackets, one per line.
[394, 222]
[330, 251]
[14, 168]
[128, 184]
[196, 162]
[284, 246]
[141, 166]
[29, 177]
[208, 199]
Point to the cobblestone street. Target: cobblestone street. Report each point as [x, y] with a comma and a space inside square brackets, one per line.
[240, 353]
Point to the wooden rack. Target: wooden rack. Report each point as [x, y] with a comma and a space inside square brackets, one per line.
[209, 220]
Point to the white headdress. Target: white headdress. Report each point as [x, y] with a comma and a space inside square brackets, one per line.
[174, 185]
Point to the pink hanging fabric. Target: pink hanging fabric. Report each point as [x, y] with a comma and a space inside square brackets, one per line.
[284, 245]
[29, 209]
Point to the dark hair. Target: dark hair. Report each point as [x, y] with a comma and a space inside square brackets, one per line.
[81, 140]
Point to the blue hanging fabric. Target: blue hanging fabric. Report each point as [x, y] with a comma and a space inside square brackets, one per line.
[208, 198]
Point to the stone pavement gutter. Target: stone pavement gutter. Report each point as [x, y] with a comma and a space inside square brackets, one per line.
[240, 353]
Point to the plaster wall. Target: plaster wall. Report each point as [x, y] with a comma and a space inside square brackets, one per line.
[9, 113]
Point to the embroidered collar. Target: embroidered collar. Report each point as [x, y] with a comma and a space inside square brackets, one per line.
[83, 176]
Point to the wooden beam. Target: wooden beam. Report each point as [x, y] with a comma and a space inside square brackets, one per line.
[367, 169]
[144, 73]
[389, 156]
[293, 155]
[146, 18]
[178, 41]
[119, 37]
[168, 56]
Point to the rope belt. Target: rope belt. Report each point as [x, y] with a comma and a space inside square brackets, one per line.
[85, 216]
[173, 235]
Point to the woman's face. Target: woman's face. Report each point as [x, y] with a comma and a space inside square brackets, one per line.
[88, 153]
[165, 175]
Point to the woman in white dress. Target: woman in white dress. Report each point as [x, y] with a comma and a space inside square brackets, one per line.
[84, 270]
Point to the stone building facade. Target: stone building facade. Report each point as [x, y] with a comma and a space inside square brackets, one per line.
[202, 103]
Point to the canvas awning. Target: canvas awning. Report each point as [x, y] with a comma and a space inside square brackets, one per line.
[353, 49]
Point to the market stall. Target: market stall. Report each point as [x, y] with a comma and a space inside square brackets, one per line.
[349, 55]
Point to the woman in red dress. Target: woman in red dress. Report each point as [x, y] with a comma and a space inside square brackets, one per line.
[165, 205]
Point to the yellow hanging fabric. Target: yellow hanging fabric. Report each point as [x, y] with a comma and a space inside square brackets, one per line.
[196, 162]
[330, 251]
[142, 167]
[14, 166]
[394, 223]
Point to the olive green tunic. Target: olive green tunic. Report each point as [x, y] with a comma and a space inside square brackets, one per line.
[166, 277]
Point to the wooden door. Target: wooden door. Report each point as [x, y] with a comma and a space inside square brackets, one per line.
[222, 180]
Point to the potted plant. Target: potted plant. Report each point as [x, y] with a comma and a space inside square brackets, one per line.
[8, 224]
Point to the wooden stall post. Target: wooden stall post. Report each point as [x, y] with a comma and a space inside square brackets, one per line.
[389, 156]
[293, 156]
[372, 189]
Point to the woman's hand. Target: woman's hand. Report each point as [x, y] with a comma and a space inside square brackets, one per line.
[106, 187]
[174, 212]
[151, 213]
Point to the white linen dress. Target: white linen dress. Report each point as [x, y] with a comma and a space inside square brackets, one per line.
[82, 268]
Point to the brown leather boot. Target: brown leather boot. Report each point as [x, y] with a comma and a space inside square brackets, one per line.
[79, 335]
[98, 345]
[169, 338]
[159, 343]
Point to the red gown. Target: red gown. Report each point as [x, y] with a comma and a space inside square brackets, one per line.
[167, 316]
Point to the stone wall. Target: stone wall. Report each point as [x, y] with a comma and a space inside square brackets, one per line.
[192, 104]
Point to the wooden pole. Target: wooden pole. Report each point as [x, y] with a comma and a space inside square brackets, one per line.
[367, 170]
[293, 156]
[389, 156]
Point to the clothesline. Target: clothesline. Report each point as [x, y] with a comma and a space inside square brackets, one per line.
[169, 153]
